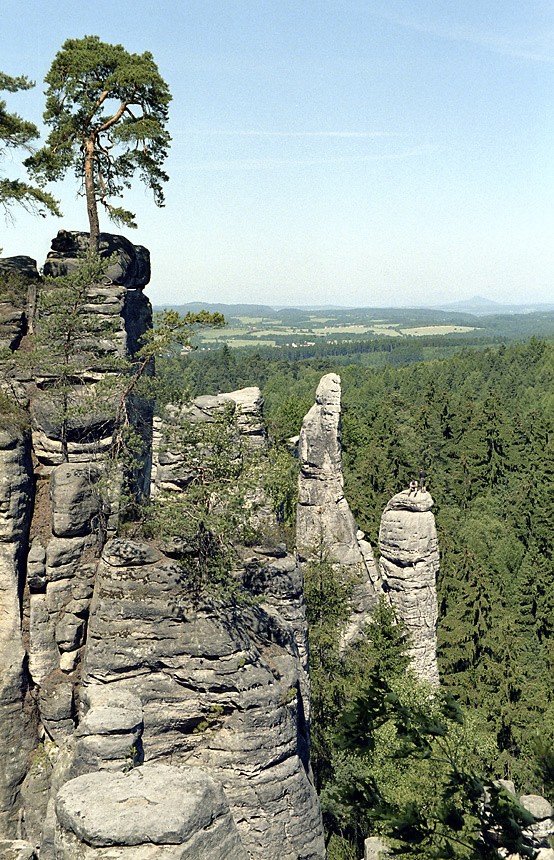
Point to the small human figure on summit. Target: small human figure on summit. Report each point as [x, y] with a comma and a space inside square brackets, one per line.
[423, 480]
[413, 487]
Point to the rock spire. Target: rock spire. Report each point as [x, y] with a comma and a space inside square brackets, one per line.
[409, 562]
[323, 514]
[409, 565]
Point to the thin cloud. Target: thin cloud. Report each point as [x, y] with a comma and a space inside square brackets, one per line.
[278, 163]
[538, 49]
[249, 133]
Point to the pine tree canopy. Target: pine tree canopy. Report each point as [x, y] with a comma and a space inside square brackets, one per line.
[107, 110]
[17, 133]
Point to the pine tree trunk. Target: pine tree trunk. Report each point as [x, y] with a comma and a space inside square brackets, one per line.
[92, 208]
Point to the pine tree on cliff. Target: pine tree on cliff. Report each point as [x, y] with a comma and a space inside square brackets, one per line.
[108, 111]
[17, 133]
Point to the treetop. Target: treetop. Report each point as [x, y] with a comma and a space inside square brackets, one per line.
[107, 109]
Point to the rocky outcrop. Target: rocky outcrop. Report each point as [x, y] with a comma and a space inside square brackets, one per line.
[138, 720]
[267, 570]
[408, 545]
[174, 454]
[324, 519]
[409, 565]
[538, 836]
[228, 679]
[131, 268]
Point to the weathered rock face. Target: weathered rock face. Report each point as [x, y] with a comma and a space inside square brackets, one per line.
[16, 298]
[323, 515]
[229, 683]
[169, 727]
[48, 522]
[268, 570]
[409, 565]
[17, 736]
[276, 576]
[16, 849]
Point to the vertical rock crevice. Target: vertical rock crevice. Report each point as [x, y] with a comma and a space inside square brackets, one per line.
[17, 730]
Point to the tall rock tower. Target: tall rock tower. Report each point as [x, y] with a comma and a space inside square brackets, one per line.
[323, 516]
[409, 563]
[48, 503]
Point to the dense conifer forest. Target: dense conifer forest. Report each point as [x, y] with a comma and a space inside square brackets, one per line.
[481, 422]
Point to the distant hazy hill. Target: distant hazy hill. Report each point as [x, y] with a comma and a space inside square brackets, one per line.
[218, 307]
[477, 306]
[482, 307]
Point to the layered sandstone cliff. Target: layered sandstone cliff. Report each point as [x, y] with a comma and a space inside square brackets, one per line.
[134, 722]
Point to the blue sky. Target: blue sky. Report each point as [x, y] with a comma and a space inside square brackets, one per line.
[398, 152]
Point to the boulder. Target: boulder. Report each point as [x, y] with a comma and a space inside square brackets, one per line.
[537, 805]
[541, 832]
[154, 811]
[131, 269]
[375, 849]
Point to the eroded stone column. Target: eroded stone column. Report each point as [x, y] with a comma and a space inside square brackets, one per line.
[409, 566]
[324, 521]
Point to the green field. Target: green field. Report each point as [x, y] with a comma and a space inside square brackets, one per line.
[256, 326]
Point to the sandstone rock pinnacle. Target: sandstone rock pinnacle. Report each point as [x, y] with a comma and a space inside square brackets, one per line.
[407, 543]
[323, 514]
[409, 564]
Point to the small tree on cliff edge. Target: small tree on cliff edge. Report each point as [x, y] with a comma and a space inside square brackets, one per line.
[107, 110]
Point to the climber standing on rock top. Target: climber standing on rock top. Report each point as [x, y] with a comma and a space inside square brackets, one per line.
[423, 480]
